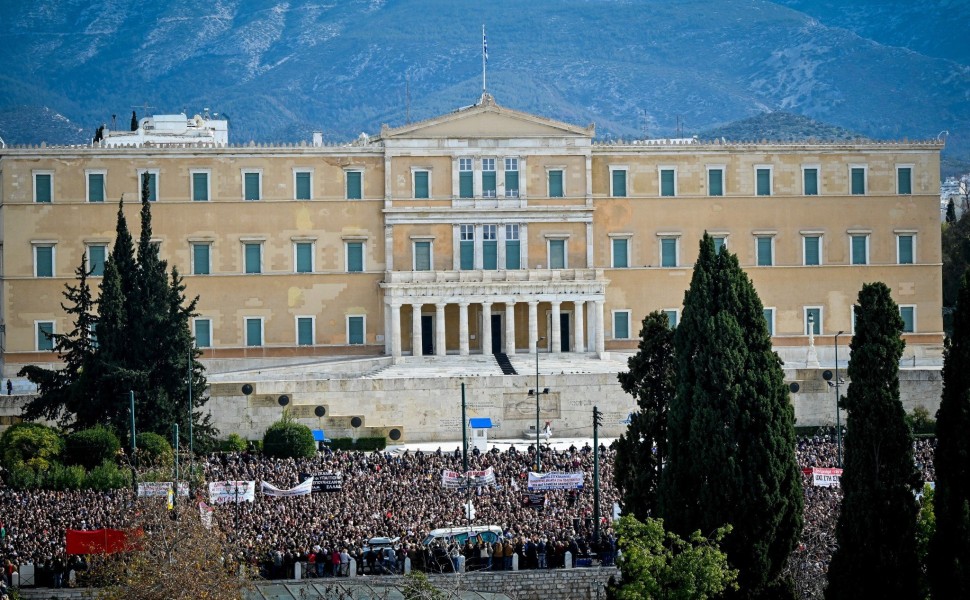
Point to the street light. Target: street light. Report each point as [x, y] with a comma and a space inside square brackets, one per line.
[838, 415]
[537, 393]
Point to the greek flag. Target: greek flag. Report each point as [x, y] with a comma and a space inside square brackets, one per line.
[484, 44]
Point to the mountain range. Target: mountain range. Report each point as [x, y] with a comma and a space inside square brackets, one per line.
[884, 69]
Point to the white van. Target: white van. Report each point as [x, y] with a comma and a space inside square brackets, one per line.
[486, 533]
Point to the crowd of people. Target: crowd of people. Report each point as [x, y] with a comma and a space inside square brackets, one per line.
[400, 495]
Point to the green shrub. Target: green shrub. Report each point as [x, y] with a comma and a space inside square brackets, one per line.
[64, 477]
[363, 444]
[153, 449]
[21, 477]
[234, 443]
[107, 476]
[919, 421]
[288, 439]
[90, 447]
[32, 444]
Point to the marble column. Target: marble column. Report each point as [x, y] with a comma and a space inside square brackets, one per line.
[600, 327]
[439, 327]
[555, 328]
[463, 328]
[533, 326]
[416, 341]
[395, 331]
[486, 327]
[510, 328]
[579, 344]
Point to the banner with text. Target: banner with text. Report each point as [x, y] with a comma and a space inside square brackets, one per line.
[159, 489]
[325, 482]
[303, 489]
[533, 500]
[205, 512]
[225, 492]
[555, 481]
[826, 477]
[454, 479]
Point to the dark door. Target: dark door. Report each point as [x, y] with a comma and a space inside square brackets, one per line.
[564, 331]
[496, 334]
[427, 335]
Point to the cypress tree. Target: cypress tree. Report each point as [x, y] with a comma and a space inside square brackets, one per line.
[876, 531]
[641, 451]
[731, 427]
[951, 212]
[949, 556]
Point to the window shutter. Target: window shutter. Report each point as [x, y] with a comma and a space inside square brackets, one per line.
[200, 187]
[512, 260]
[44, 331]
[355, 328]
[45, 261]
[619, 183]
[621, 326]
[511, 183]
[355, 257]
[354, 185]
[764, 182]
[488, 183]
[152, 187]
[668, 252]
[203, 333]
[858, 181]
[859, 250]
[252, 186]
[905, 249]
[811, 182]
[96, 187]
[715, 182]
[303, 186]
[490, 255]
[666, 182]
[304, 257]
[555, 184]
[200, 259]
[253, 252]
[557, 254]
[96, 262]
[422, 256]
[764, 252]
[811, 250]
[421, 184]
[905, 183]
[467, 257]
[43, 191]
[620, 254]
[304, 327]
[465, 184]
[254, 332]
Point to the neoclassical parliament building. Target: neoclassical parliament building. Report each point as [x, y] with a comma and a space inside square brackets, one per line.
[482, 231]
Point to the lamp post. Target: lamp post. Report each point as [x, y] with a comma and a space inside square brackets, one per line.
[838, 414]
[537, 392]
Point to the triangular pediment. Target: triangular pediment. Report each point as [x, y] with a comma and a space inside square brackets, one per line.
[486, 119]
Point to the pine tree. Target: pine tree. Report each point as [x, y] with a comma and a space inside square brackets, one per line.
[640, 452]
[876, 531]
[731, 427]
[949, 559]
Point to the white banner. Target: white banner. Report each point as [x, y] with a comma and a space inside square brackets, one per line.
[224, 492]
[454, 479]
[826, 477]
[303, 489]
[159, 489]
[555, 481]
[205, 512]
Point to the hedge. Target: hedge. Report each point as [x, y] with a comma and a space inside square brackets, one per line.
[289, 439]
[153, 449]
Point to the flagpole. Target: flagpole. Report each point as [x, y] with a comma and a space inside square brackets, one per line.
[484, 57]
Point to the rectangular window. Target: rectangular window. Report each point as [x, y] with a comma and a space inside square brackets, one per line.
[621, 324]
[555, 184]
[908, 313]
[43, 187]
[200, 259]
[904, 249]
[618, 183]
[355, 257]
[254, 257]
[621, 247]
[466, 179]
[673, 317]
[422, 256]
[254, 331]
[715, 182]
[252, 185]
[45, 329]
[719, 242]
[904, 180]
[355, 185]
[668, 182]
[421, 187]
[489, 248]
[355, 330]
[765, 251]
[97, 253]
[813, 319]
[858, 177]
[203, 333]
[303, 184]
[810, 181]
[812, 250]
[512, 252]
[43, 260]
[96, 188]
[304, 257]
[488, 177]
[860, 249]
[769, 314]
[512, 177]
[466, 247]
[557, 254]
[763, 181]
[152, 184]
[304, 331]
[668, 252]
[200, 186]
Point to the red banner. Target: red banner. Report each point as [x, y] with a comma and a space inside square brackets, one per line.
[98, 541]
